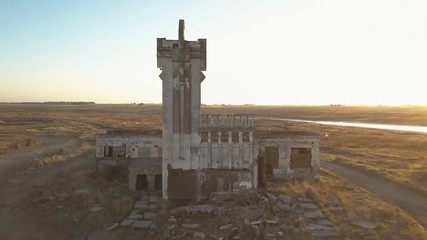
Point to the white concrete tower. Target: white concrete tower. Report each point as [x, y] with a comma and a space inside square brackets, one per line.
[181, 63]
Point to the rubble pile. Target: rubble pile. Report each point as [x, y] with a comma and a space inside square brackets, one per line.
[231, 215]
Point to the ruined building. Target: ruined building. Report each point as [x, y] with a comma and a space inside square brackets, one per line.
[200, 154]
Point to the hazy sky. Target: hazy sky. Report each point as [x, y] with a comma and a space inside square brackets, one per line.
[264, 52]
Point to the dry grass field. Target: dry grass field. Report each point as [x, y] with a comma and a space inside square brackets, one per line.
[62, 177]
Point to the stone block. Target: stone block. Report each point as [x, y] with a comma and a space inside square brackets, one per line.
[142, 224]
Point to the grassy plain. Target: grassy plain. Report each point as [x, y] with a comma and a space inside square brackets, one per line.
[401, 157]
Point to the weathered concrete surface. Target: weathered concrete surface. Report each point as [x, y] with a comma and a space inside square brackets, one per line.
[181, 63]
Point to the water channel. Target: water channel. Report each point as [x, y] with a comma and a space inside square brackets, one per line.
[418, 129]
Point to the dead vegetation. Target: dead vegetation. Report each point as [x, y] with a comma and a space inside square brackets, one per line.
[70, 193]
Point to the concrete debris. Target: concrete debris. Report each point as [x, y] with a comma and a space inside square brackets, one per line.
[324, 222]
[190, 225]
[304, 200]
[364, 224]
[271, 221]
[242, 185]
[225, 227]
[154, 198]
[258, 222]
[313, 226]
[194, 209]
[172, 220]
[172, 227]
[142, 224]
[95, 209]
[310, 206]
[113, 226]
[281, 207]
[141, 205]
[313, 214]
[135, 214]
[127, 222]
[271, 196]
[325, 234]
[285, 199]
[201, 235]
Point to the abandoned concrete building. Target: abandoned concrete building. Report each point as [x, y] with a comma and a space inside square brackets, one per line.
[200, 154]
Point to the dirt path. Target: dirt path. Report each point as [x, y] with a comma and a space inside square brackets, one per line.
[409, 200]
[15, 184]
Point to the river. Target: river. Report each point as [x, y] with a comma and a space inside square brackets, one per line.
[405, 128]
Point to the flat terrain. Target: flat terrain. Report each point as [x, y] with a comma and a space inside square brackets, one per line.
[48, 181]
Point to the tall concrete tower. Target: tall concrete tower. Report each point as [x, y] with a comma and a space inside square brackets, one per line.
[181, 62]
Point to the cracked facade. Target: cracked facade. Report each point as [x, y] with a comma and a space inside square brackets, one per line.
[201, 154]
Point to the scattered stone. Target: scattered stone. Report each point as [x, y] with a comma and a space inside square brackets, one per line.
[313, 214]
[269, 235]
[190, 225]
[172, 227]
[324, 222]
[141, 205]
[305, 200]
[254, 211]
[95, 209]
[172, 220]
[199, 235]
[258, 222]
[242, 185]
[364, 224]
[325, 234]
[271, 196]
[149, 215]
[310, 206]
[127, 222]
[225, 227]
[281, 207]
[271, 221]
[194, 209]
[280, 233]
[135, 214]
[285, 199]
[142, 224]
[114, 225]
[296, 209]
[313, 226]
[154, 198]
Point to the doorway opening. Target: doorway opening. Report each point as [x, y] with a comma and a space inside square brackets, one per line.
[141, 182]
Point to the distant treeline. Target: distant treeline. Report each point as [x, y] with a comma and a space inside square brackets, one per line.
[57, 103]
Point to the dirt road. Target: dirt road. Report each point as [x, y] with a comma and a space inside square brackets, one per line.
[411, 201]
[15, 184]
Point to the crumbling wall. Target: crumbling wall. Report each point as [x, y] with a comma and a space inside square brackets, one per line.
[285, 146]
[197, 185]
[135, 146]
[139, 168]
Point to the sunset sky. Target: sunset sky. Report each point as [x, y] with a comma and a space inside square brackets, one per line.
[311, 52]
